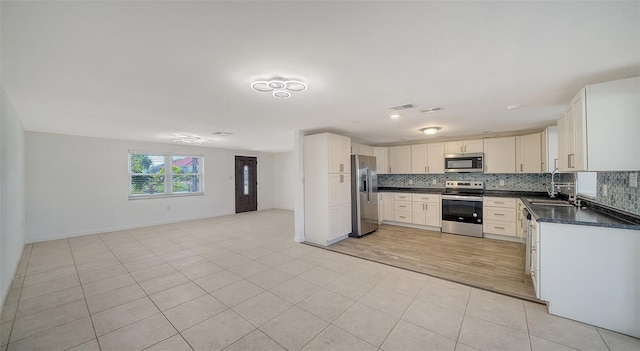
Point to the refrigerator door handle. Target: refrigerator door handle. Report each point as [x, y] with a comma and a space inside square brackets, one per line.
[370, 191]
[367, 188]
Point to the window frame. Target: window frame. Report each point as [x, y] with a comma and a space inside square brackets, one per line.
[168, 175]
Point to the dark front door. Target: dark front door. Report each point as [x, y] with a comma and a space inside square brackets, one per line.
[246, 184]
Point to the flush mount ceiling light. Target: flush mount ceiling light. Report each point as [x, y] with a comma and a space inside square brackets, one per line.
[222, 134]
[190, 139]
[394, 116]
[280, 88]
[430, 130]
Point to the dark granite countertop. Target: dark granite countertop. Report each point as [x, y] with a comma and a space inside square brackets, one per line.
[410, 190]
[591, 214]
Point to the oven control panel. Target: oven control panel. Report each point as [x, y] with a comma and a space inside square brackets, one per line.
[463, 184]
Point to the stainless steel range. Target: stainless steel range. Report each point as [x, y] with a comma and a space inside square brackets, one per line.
[462, 208]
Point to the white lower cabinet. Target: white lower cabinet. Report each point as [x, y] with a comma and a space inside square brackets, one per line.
[340, 221]
[408, 208]
[535, 257]
[499, 215]
[389, 209]
[402, 208]
[426, 209]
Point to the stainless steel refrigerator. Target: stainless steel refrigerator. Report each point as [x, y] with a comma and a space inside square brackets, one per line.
[364, 195]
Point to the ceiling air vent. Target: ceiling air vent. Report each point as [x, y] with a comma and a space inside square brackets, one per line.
[433, 109]
[403, 107]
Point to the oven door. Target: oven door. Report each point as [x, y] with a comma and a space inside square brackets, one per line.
[460, 208]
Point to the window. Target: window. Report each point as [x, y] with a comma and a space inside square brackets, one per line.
[149, 175]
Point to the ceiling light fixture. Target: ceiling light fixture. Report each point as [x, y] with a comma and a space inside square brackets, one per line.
[190, 139]
[280, 88]
[222, 134]
[430, 130]
[394, 116]
[514, 107]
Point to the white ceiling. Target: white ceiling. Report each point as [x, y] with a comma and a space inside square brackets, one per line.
[150, 70]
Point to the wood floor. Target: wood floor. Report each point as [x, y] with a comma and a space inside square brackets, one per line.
[489, 264]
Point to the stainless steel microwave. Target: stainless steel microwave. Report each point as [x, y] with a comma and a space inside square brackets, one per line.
[464, 163]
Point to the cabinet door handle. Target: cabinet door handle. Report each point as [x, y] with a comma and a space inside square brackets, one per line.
[403, 206]
[402, 217]
[571, 160]
[425, 169]
[341, 178]
[521, 165]
[542, 167]
[426, 207]
[555, 163]
[342, 167]
[498, 227]
[500, 202]
[499, 214]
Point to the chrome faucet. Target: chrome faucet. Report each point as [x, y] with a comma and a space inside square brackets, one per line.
[551, 189]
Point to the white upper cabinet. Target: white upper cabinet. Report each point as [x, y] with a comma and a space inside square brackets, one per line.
[549, 145]
[456, 147]
[339, 154]
[400, 159]
[427, 158]
[598, 131]
[382, 159]
[419, 158]
[360, 149]
[500, 155]
[435, 158]
[529, 154]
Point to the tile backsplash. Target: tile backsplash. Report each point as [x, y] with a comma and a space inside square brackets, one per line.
[619, 194]
[513, 182]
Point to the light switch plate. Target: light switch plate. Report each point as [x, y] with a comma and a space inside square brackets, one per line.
[633, 180]
[434, 182]
[410, 181]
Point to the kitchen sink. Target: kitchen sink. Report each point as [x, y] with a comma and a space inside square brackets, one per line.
[549, 202]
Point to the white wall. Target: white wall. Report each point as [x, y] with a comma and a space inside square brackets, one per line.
[12, 195]
[284, 184]
[79, 185]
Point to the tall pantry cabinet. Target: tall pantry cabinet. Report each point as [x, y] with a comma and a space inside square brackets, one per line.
[327, 188]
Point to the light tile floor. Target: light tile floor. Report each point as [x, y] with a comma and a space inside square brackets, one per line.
[240, 282]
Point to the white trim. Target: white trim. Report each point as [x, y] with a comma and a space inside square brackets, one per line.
[162, 195]
[118, 228]
[163, 153]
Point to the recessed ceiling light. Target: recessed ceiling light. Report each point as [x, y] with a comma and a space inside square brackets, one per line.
[394, 116]
[514, 107]
[430, 130]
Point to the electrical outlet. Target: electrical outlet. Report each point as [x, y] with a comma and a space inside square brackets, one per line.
[501, 182]
[633, 180]
[410, 181]
[604, 190]
[434, 182]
